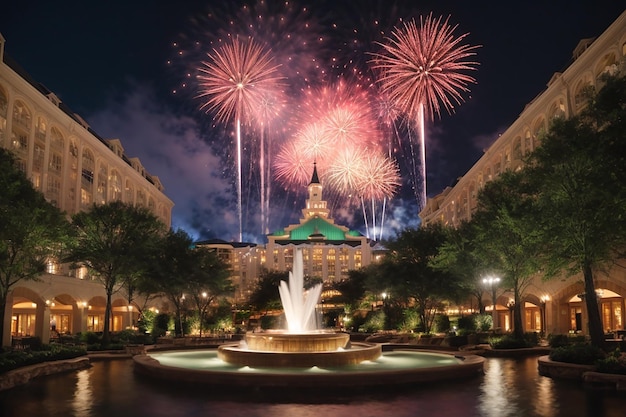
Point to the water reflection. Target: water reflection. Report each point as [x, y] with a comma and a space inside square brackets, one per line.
[83, 395]
[509, 387]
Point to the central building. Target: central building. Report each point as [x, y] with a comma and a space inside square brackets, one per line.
[329, 250]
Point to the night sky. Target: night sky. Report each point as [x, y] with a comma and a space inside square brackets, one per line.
[123, 65]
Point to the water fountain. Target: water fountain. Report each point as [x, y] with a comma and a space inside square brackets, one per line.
[302, 344]
[304, 356]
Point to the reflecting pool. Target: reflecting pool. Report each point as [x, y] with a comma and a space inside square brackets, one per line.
[510, 387]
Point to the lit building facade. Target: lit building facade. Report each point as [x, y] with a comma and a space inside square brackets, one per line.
[558, 300]
[329, 250]
[74, 168]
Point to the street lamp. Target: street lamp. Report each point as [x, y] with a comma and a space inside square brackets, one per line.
[492, 282]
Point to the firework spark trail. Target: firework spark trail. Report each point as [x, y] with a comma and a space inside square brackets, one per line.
[380, 181]
[272, 107]
[422, 69]
[233, 82]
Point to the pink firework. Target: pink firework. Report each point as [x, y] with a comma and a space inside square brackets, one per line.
[314, 143]
[424, 66]
[292, 166]
[352, 125]
[347, 170]
[421, 69]
[236, 79]
[382, 178]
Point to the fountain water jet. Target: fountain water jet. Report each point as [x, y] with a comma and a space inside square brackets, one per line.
[301, 344]
[298, 304]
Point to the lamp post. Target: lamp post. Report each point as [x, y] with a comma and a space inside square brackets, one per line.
[492, 282]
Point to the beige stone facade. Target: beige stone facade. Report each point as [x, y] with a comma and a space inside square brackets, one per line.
[563, 309]
[74, 168]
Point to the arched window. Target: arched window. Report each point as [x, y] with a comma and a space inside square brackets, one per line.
[20, 133]
[115, 186]
[557, 110]
[87, 178]
[580, 93]
[102, 184]
[130, 192]
[39, 152]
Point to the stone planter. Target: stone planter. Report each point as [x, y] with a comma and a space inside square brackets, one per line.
[562, 370]
[135, 350]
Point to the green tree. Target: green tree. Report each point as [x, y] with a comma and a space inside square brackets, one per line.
[174, 264]
[580, 175]
[459, 256]
[209, 279]
[32, 231]
[116, 242]
[407, 276]
[352, 289]
[506, 236]
[265, 295]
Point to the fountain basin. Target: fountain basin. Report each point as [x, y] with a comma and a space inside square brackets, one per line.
[356, 354]
[273, 341]
[398, 367]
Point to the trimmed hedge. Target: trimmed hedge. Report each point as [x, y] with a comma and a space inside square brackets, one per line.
[13, 359]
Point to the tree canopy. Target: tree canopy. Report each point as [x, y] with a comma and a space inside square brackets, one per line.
[116, 242]
[579, 171]
[32, 231]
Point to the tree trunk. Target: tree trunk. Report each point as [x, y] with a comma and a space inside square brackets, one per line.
[3, 306]
[106, 332]
[518, 329]
[593, 311]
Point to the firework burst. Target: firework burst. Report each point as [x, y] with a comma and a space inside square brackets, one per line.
[381, 179]
[347, 170]
[235, 82]
[424, 65]
[237, 79]
[314, 143]
[422, 68]
[292, 167]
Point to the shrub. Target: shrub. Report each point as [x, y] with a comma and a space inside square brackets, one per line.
[441, 324]
[483, 322]
[581, 354]
[507, 342]
[90, 338]
[613, 363]
[559, 340]
[410, 320]
[532, 338]
[467, 324]
[160, 325]
[13, 359]
[374, 322]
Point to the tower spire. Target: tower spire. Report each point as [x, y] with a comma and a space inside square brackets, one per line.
[314, 179]
[315, 206]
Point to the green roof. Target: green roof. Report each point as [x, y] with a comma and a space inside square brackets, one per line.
[317, 225]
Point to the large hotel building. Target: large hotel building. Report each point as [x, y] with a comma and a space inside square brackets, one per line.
[74, 168]
[559, 300]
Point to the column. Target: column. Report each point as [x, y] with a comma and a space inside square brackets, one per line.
[42, 322]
